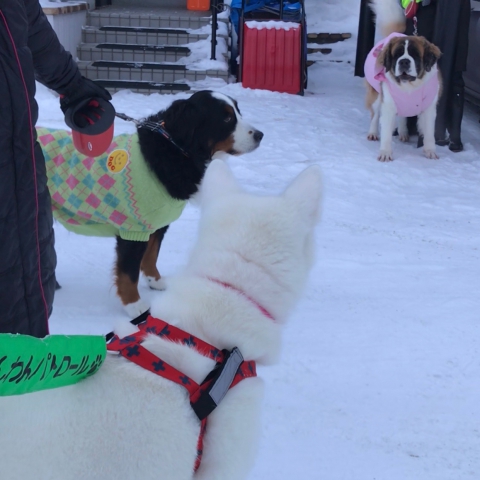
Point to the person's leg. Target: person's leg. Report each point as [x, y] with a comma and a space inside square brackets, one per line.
[451, 36]
[458, 94]
[365, 38]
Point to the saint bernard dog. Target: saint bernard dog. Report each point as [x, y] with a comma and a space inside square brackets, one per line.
[142, 183]
[402, 80]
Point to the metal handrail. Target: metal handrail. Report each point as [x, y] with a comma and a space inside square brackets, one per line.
[216, 7]
[214, 29]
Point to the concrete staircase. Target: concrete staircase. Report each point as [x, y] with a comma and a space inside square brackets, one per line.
[161, 49]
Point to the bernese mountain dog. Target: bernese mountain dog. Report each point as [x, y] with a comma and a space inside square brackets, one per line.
[143, 182]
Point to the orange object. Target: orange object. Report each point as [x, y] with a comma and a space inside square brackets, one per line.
[198, 4]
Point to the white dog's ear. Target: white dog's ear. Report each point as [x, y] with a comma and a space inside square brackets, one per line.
[306, 192]
[218, 181]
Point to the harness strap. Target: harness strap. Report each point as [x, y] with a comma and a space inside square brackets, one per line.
[230, 368]
[147, 360]
[136, 321]
[162, 329]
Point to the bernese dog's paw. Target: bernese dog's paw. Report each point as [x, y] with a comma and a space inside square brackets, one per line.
[136, 308]
[373, 137]
[403, 137]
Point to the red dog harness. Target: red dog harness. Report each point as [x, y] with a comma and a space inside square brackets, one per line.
[204, 398]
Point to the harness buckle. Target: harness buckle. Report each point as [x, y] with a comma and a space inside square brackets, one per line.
[142, 318]
[216, 384]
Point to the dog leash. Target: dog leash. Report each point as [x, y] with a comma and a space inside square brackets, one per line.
[157, 127]
[415, 28]
[411, 12]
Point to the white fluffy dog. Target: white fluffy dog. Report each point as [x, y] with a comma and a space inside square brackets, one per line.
[126, 423]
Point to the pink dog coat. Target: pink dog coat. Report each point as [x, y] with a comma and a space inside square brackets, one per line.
[409, 104]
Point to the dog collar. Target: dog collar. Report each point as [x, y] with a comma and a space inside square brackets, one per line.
[158, 127]
[262, 309]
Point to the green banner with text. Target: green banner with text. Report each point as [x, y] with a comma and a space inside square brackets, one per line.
[28, 364]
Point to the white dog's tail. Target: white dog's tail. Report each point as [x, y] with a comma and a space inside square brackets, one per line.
[389, 16]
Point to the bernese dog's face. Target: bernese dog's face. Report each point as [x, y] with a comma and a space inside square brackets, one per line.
[409, 58]
[223, 124]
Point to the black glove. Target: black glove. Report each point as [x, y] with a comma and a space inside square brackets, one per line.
[86, 107]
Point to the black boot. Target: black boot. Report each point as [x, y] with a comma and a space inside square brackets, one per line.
[456, 117]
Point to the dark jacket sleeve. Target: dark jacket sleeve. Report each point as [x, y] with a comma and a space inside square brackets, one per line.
[54, 66]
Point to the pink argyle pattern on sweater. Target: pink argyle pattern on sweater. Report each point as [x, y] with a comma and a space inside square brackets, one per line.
[83, 190]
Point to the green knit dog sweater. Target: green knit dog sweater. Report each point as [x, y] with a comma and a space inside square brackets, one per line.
[113, 194]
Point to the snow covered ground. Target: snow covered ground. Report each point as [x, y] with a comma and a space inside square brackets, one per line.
[379, 378]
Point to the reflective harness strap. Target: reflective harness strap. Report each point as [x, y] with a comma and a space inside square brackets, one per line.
[204, 398]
